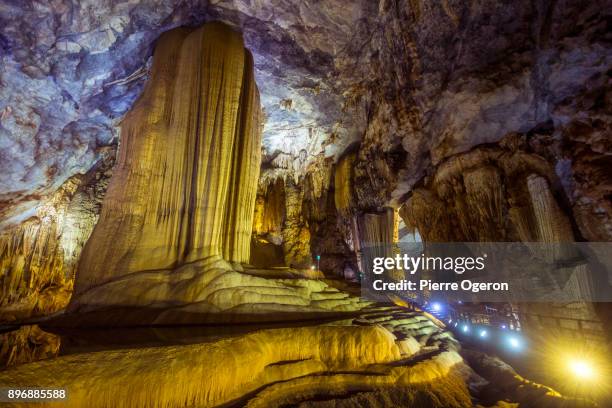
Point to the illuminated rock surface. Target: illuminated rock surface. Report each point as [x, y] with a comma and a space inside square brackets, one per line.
[386, 353]
[381, 357]
[179, 207]
[482, 121]
[412, 84]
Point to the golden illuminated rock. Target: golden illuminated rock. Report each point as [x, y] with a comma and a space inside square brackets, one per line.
[176, 221]
[270, 212]
[184, 185]
[38, 257]
[375, 352]
[343, 183]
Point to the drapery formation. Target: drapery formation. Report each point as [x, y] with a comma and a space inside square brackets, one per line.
[185, 183]
[489, 195]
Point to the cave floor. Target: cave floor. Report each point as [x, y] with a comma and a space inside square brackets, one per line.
[384, 355]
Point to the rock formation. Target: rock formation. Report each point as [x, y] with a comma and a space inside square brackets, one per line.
[262, 149]
[38, 258]
[179, 209]
[499, 194]
[184, 185]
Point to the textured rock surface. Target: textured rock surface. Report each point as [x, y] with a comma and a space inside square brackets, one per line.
[38, 258]
[381, 353]
[180, 204]
[185, 182]
[380, 357]
[430, 79]
[27, 344]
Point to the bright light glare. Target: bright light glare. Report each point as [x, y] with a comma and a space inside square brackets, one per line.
[483, 333]
[582, 369]
[312, 267]
[436, 307]
[503, 326]
[514, 342]
[466, 328]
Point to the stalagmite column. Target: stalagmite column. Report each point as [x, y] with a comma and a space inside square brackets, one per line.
[376, 236]
[245, 172]
[185, 182]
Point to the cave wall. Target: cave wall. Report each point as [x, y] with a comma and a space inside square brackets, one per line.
[505, 193]
[39, 257]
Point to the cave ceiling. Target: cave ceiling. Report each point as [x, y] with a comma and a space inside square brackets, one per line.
[429, 78]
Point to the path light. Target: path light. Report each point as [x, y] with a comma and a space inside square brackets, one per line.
[582, 369]
[514, 342]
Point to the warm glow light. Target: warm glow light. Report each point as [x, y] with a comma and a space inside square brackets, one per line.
[312, 267]
[582, 369]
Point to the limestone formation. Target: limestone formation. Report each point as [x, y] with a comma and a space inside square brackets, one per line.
[184, 185]
[343, 184]
[27, 344]
[381, 351]
[503, 193]
[270, 212]
[177, 217]
[473, 121]
[38, 257]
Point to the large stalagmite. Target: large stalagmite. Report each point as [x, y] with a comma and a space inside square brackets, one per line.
[176, 222]
[184, 186]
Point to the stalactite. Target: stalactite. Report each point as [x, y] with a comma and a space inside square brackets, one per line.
[38, 257]
[269, 221]
[343, 188]
[296, 234]
[184, 186]
[426, 213]
[376, 235]
[485, 202]
[552, 224]
[31, 260]
[316, 186]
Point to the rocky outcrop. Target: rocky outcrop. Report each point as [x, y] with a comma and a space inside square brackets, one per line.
[413, 83]
[504, 193]
[38, 258]
[27, 344]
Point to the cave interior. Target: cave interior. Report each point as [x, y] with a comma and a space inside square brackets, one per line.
[192, 194]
